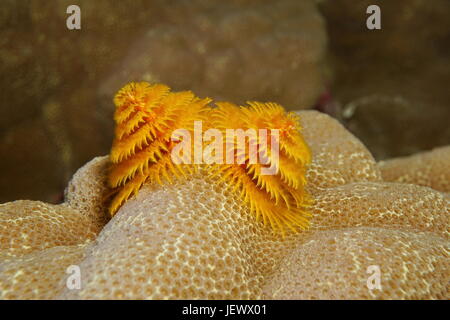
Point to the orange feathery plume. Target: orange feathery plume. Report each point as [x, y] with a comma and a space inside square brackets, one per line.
[279, 198]
[145, 117]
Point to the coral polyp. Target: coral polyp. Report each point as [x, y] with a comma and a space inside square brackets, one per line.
[279, 197]
[145, 117]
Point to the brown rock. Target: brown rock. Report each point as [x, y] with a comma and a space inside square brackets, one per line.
[392, 84]
[65, 80]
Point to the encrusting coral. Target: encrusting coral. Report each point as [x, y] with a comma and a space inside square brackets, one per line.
[430, 169]
[196, 239]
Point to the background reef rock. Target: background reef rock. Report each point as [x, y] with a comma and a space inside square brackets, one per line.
[195, 240]
[392, 85]
[389, 87]
[57, 85]
[429, 169]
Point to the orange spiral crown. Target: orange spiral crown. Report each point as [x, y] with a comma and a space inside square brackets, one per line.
[280, 199]
[145, 117]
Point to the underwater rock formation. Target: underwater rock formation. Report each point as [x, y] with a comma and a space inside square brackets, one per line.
[57, 84]
[217, 49]
[194, 239]
[392, 84]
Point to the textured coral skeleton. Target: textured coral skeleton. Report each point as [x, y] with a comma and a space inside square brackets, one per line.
[195, 239]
